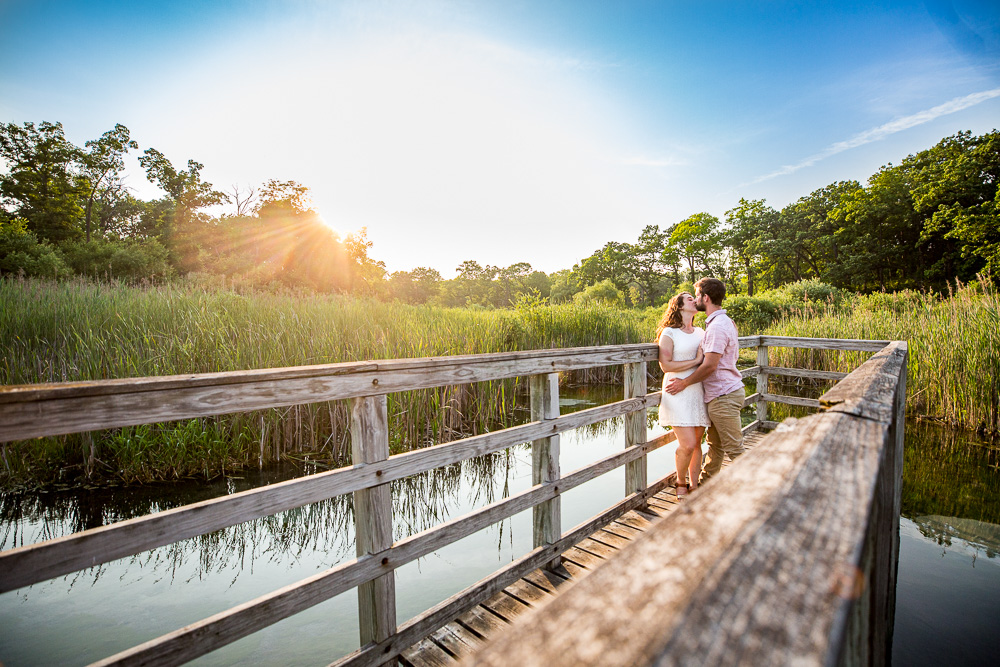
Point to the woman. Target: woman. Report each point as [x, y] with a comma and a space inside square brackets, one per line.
[685, 413]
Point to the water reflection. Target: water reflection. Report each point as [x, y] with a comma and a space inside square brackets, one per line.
[948, 581]
[97, 612]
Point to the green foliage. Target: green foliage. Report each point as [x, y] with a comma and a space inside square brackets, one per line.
[114, 259]
[21, 253]
[41, 184]
[603, 292]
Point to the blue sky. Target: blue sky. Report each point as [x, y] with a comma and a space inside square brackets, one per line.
[507, 130]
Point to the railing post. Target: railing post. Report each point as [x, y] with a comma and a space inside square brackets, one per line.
[373, 517]
[635, 427]
[546, 516]
[761, 384]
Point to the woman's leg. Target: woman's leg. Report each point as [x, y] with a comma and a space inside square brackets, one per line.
[694, 468]
[687, 439]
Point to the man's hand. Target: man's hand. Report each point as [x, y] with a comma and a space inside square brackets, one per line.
[675, 386]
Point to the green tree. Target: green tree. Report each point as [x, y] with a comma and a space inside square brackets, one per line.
[749, 225]
[957, 184]
[183, 225]
[646, 262]
[103, 161]
[41, 184]
[698, 241]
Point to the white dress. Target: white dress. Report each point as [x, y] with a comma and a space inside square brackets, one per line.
[688, 407]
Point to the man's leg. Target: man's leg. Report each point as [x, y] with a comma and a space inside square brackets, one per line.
[713, 462]
[724, 413]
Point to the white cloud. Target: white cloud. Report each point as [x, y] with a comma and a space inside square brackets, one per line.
[883, 131]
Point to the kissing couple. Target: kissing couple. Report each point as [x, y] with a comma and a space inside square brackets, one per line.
[702, 388]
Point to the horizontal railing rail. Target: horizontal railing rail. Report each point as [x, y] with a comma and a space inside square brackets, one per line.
[56, 409]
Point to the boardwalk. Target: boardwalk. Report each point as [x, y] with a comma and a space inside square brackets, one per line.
[461, 638]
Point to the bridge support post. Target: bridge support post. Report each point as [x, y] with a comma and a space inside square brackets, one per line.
[635, 428]
[546, 517]
[762, 361]
[373, 517]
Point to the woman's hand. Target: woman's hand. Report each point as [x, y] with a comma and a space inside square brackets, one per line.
[699, 355]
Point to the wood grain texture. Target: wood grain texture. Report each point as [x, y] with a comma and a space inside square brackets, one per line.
[29, 411]
[787, 400]
[804, 373]
[635, 427]
[869, 391]
[766, 565]
[373, 517]
[824, 343]
[761, 383]
[33, 563]
[546, 521]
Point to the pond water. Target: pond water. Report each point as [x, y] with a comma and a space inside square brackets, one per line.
[949, 574]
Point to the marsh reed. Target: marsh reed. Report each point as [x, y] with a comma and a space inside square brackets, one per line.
[57, 332]
[954, 348]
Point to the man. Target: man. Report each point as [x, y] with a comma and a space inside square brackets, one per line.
[721, 381]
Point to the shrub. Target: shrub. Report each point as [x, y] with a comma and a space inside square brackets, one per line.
[603, 292]
[21, 253]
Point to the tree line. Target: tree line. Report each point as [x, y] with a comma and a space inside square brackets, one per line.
[66, 210]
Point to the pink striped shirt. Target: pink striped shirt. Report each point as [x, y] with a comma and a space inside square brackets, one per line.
[721, 337]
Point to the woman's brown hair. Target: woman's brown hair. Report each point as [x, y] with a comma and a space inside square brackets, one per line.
[672, 319]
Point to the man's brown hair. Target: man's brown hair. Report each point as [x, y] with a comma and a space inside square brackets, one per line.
[714, 288]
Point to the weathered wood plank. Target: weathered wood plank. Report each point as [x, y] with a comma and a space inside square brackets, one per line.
[762, 391]
[484, 623]
[427, 654]
[37, 562]
[597, 548]
[549, 580]
[824, 343]
[869, 391]
[456, 640]
[528, 594]
[546, 521]
[621, 530]
[785, 521]
[373, 518]
[804, 373]
[30, 411]
[635, 427]
[584, 559]
[609, 538]
[753, 371]
[507, 607]
[787, 400]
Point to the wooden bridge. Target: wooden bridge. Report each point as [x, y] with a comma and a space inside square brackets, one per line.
[788, 556]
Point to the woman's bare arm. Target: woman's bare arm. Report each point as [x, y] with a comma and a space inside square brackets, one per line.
[667, 363]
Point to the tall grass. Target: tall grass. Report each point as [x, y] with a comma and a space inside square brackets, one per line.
[55, 332]
[954, 348]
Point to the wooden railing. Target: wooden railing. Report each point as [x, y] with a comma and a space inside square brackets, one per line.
[790, 558]
[54, 409]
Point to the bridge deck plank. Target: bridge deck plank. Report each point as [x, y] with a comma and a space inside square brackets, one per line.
[541, 586]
